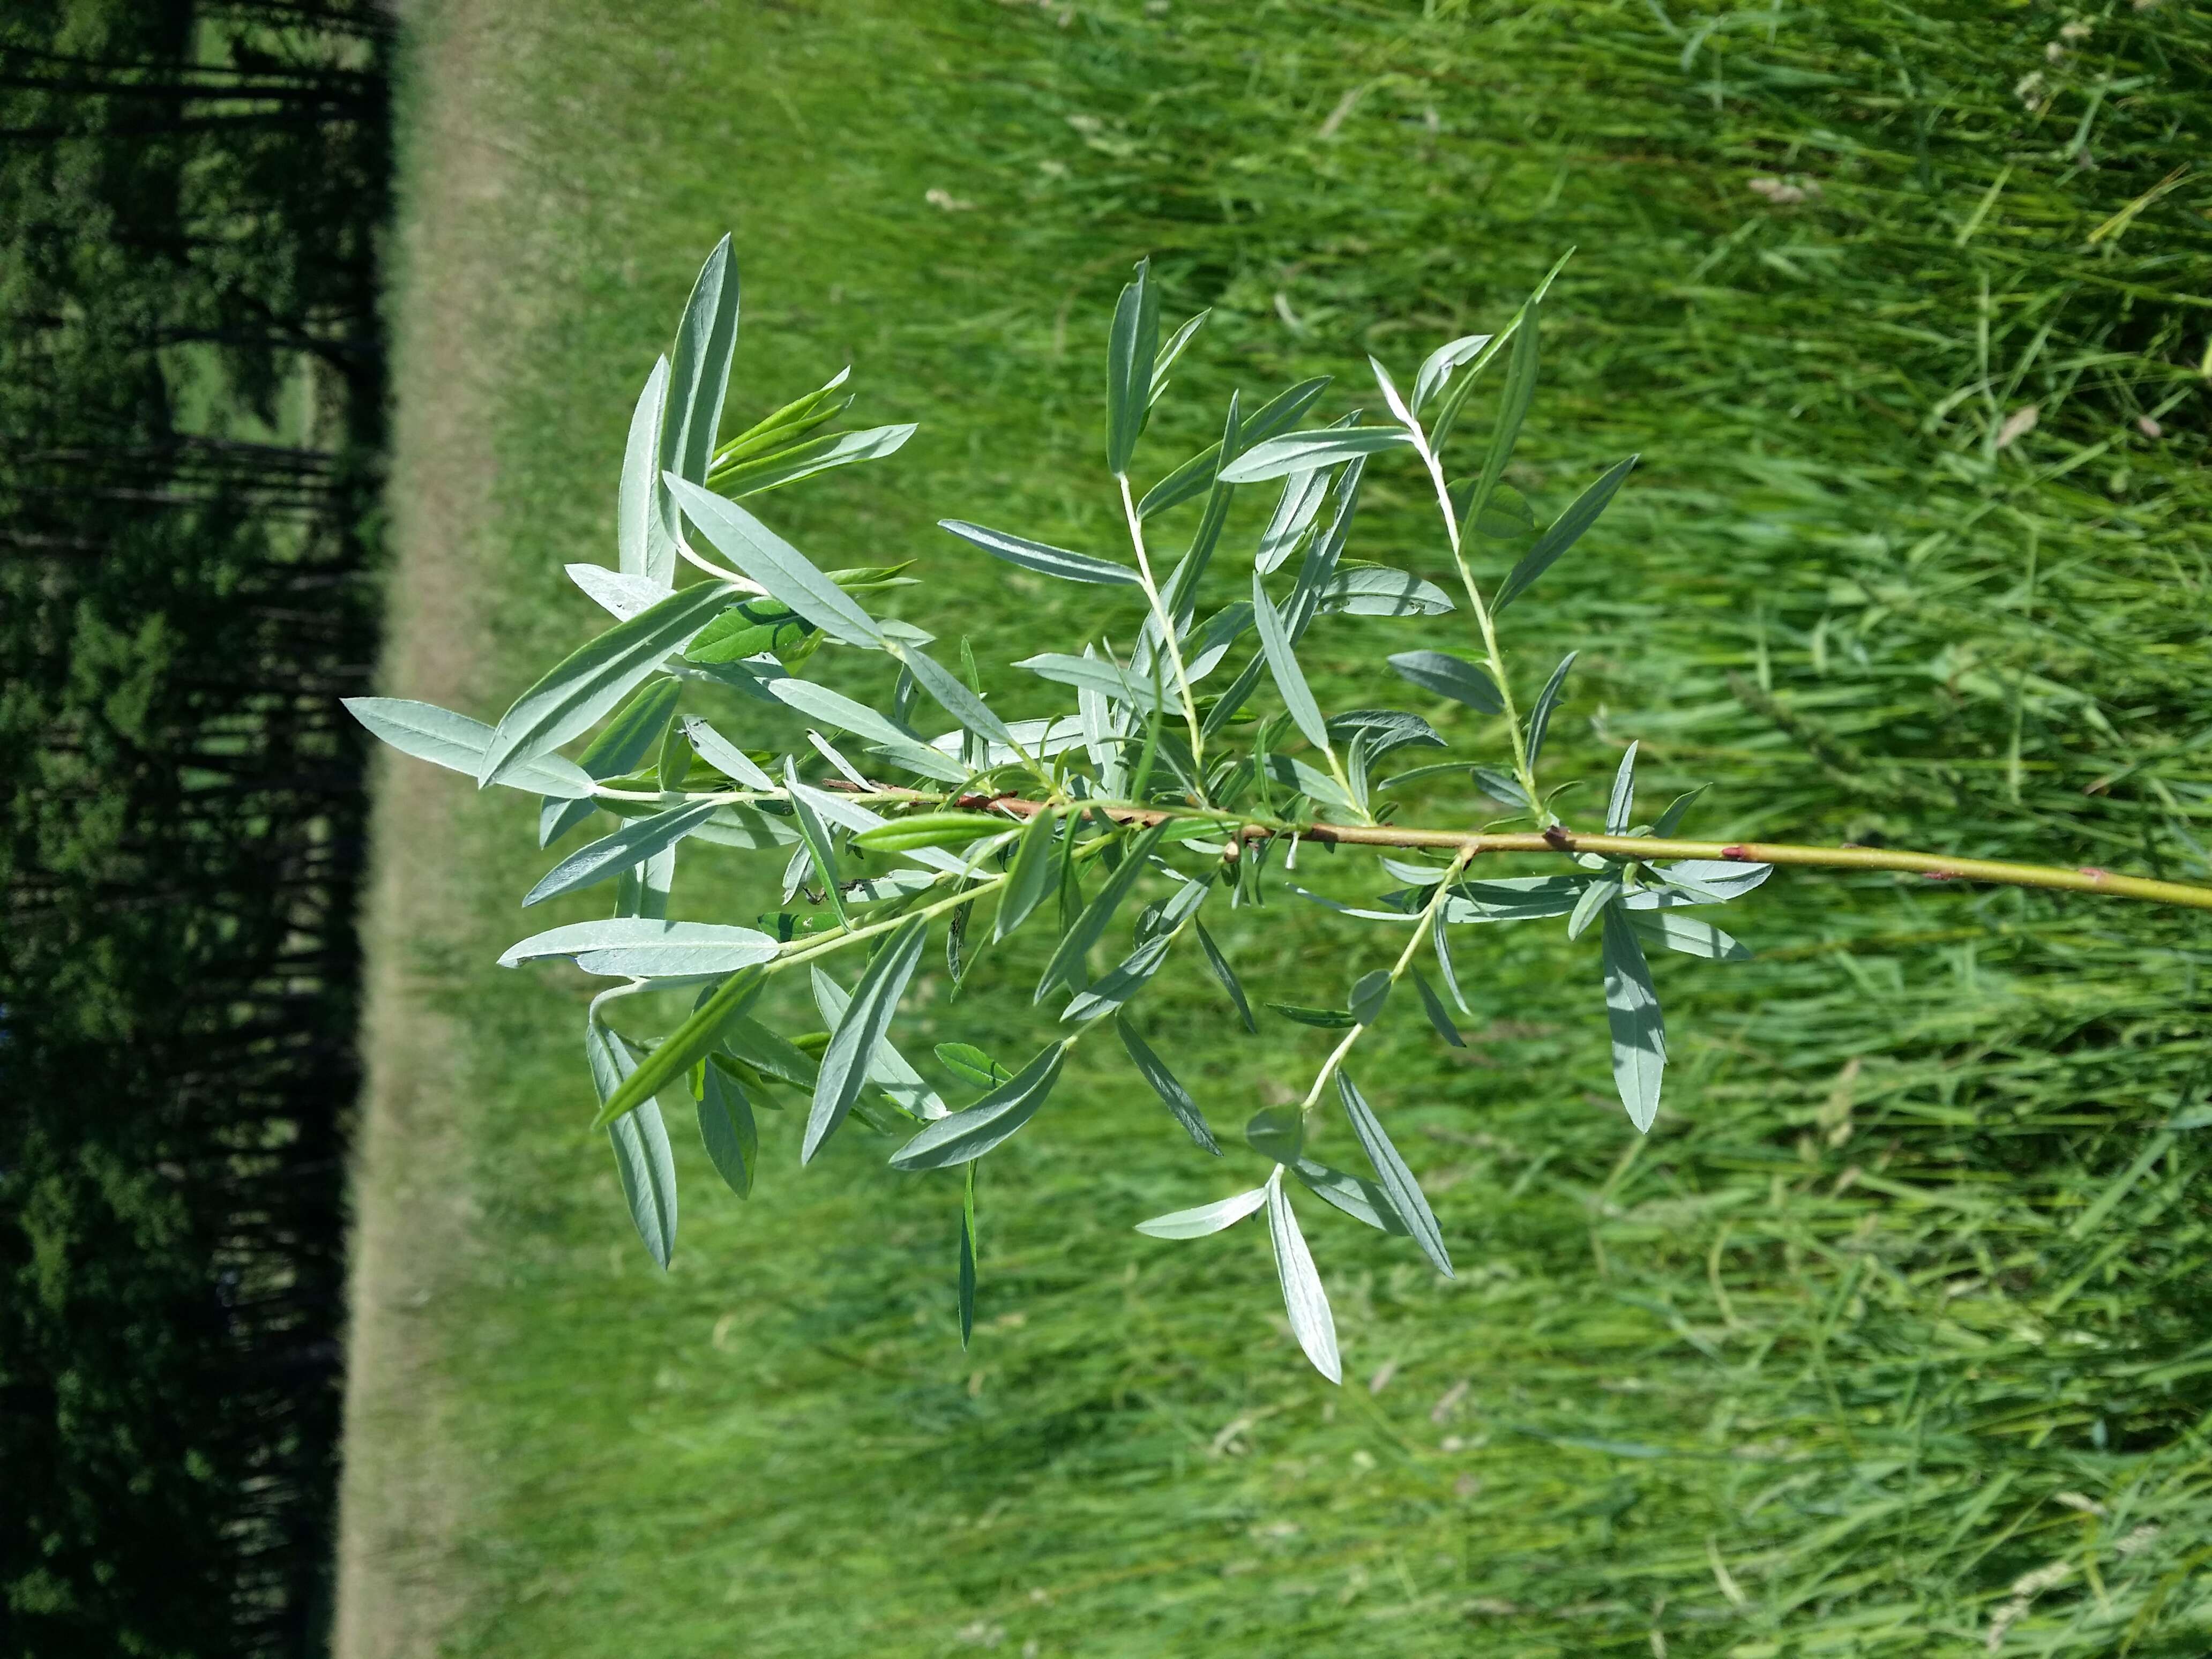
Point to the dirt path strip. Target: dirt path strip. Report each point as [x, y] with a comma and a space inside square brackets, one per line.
[398, 1590]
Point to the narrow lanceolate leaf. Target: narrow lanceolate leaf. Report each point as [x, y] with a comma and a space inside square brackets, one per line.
[1512, 410]
[1405, 1192]
[1620, 807]
[1671, 819]
[1120, 983]
[1703, 881]
[930, 829]
[867, 1018]
[1440, 937]
[1095, 675]
[1173, 349]
[643, 1162]
[1369, 994]
[1438, 367]
[1089, 927]
[804, 460]
[633, 844]
[1565, 531]
[903, 747]
[619, 749]
[699, 373]
[1166, 1085]
[1631, 1010]
[1045, 560]
[971, 1064]
[1227, 975]
[1295, 512]
[727, 1127]
[819, 847]
[955, 698]
[1595, 897]
[1206, 1217]
[787, 575]
[1548, 701]
[620, 596]
[719, 752]
[1283, 663]
[1432, 1005]
[1304, 1299]
[968, 1254]
[1030, 877]
[460, 745]
[1378, 591]
[1353, 1194]
[684, 1047]
[966, 1135]
[1450, 677]
[888, 1069]
[644, 948]
[1691, 937]
[583, 688]
[1132, 348]
[645, 548]
[1305, 451]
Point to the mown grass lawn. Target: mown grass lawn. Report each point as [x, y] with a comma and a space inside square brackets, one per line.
[1893, 1337]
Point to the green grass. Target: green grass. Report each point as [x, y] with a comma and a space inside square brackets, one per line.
[1905, 1297]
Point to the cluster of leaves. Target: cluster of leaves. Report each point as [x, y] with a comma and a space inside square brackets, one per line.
[1154, 794]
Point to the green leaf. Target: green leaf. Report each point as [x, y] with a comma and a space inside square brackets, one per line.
[1502, 786]
[968, 1134]
[719, 752]
[1122, 982]
[1041, 558]
[1690, 936]
[1512, 410]
[1620, 807]
[643, 1162]
[1700, 881]
[1321, 1019]
[889, 1070]
[1173, 1096]
[1547, 700]
[1095, 675]
[1355, 1195]
[699, 378]
[956, 699]
[967, 1256]
[819, 847]
[1671, 819]
[619, 748]
[1437, 368]
[1595, 896]
[645, 548]
[804, 460]
[1132, 348]
[1295, 512]
[1283, 663]
[950, 828]
[867, 1020]
[1173, 349]
[1305, 451]
[1198, 474]
[1227, 975]
[1304, 1299]
[585, 685]
[1397, 1181]
[1030, 876]
[1456, 397]
[789, 576]
[1369, 994]
[683, 1048]
[620, 596]
[1206, 1218]
[460, 745]
[636, 841]
[1631, 1011]
[727, 1127]
[1439, 937]
[1432, 1005]
[971, 1064]
[1565, 531]
[1450, 677]
[1075, 943]
[1276, 1131]
[788, 424]
[1376, 590]
[1514, 898]
[643, 948]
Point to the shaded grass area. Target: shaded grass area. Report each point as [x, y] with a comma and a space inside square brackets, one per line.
[1893, 1338]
